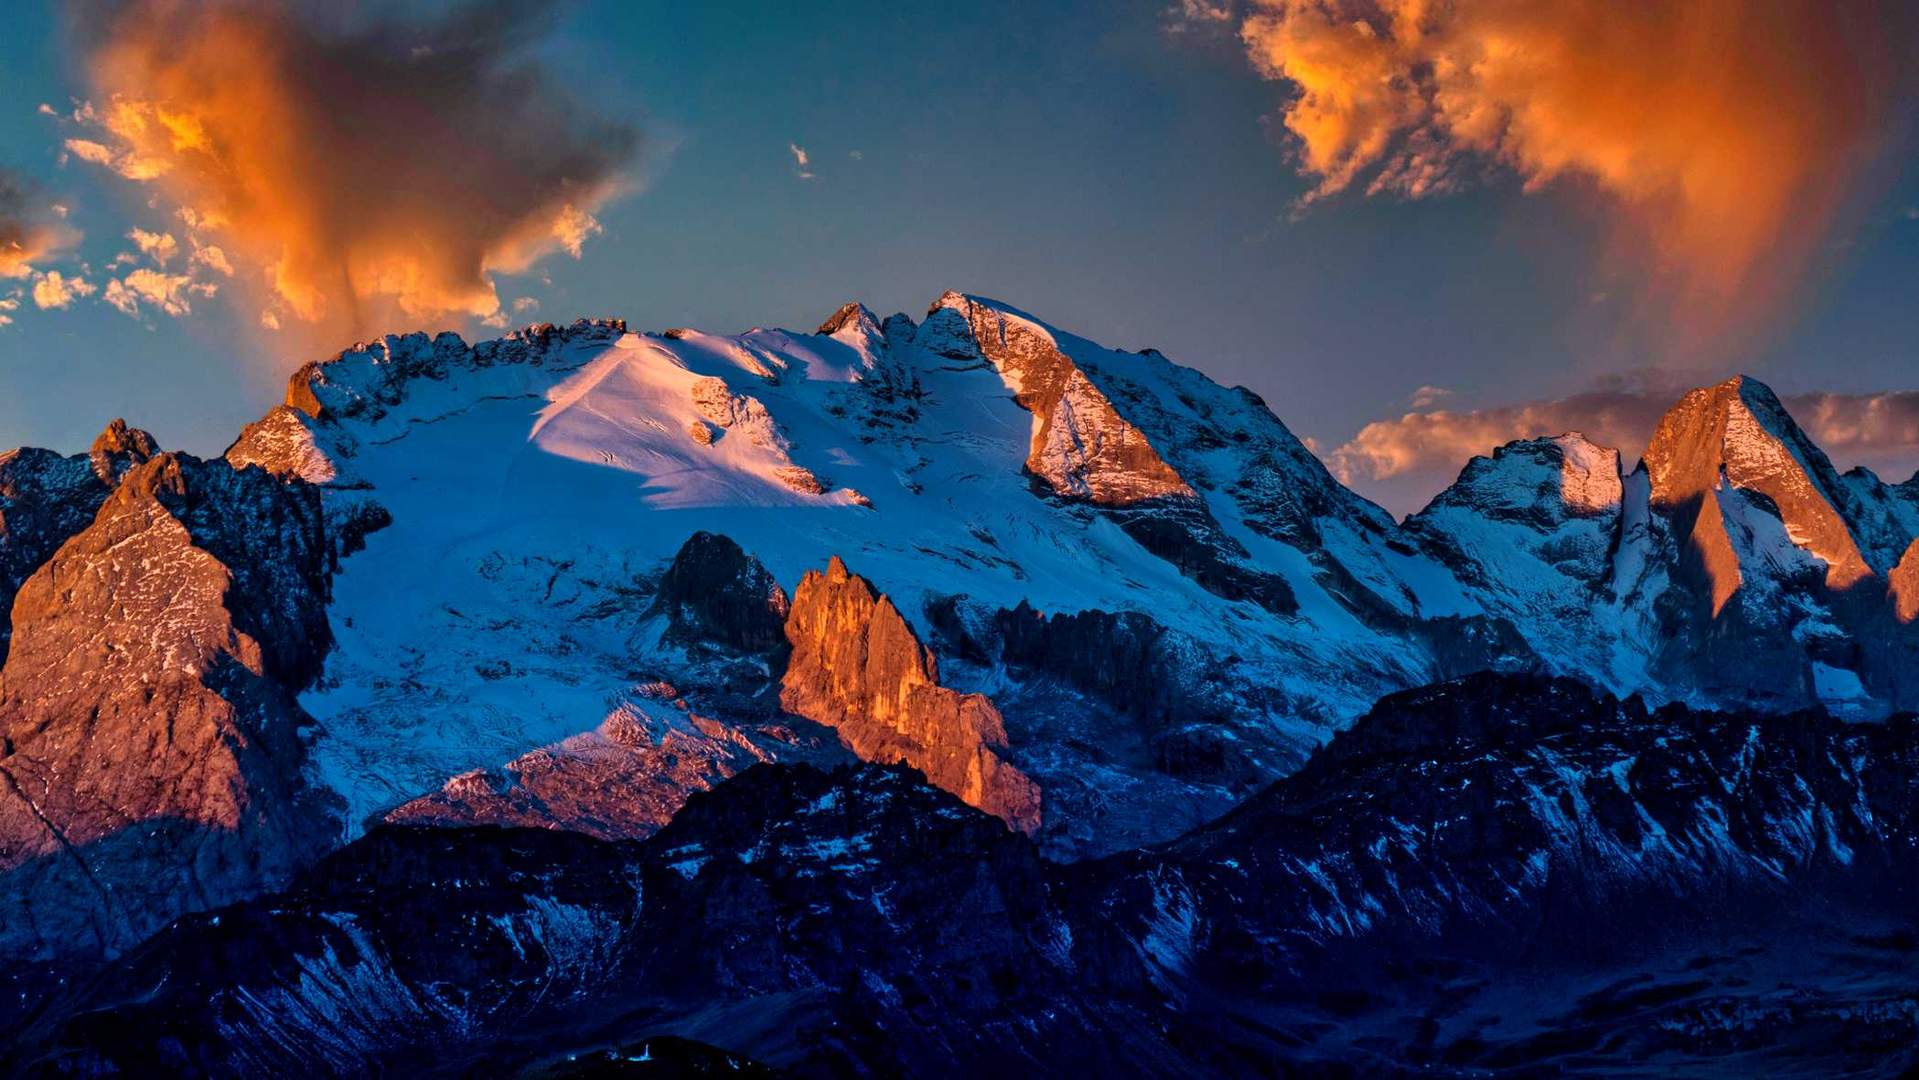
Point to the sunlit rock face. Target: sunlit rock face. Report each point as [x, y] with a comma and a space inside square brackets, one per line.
[45, 499]
[1904, 585]
[858, 668]
[150, 762]
[1736, 437]
[1082, 447]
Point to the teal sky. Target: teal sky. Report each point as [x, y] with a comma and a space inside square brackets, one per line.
[1074, 159]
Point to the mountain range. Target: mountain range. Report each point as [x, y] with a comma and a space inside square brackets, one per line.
[928, 696]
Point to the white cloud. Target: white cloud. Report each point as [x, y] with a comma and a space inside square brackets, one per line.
[55, 290]
[170, 294]
[160, 247]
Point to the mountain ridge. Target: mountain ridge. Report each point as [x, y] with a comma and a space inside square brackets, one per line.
[554, 579]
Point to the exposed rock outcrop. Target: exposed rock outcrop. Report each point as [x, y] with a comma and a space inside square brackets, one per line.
[715, 592]
[1737, 435]
[1903, 585]
[1081, 447]
[149, 762]
[46, 498]
[623, 780]
[857, 667]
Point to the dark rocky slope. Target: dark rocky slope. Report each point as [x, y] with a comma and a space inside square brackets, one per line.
[1490, 875]
[149, 757]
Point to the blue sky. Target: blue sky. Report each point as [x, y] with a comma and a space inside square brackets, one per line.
[1075, 159]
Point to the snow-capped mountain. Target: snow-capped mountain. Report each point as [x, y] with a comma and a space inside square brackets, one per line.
[573, 576]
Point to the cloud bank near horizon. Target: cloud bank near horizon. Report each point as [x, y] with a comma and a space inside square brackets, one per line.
[1402, 462]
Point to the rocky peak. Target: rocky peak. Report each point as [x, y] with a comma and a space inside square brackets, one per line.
[147, 711]
[1541, 481]
[856, 326]
[947, 329]
[1082, 447]
[1737, 435]
[45, 499]
[858, 667]
[898, 329]
[716, 592]
[853, 317]
[119, 448]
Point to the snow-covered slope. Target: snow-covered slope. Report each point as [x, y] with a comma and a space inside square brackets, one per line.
[538, 486]
[1032, 503]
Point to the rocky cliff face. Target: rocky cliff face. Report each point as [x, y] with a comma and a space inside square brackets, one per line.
[1737, 436]
[150, 763]
[858, 668]
[46, 498]
[715, 592]
[1081, 446]
[1491, 875]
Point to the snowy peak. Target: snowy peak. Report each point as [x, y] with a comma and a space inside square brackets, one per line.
[1723, 444]
[1082, 447]
[1543, 480]
[371, 377]
[855, 326]
[851, 317]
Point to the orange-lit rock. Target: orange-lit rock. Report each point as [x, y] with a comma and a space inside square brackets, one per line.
[857, 667]
[1082, 447]
[1904, 585]
[149, 763]
[1737, 434]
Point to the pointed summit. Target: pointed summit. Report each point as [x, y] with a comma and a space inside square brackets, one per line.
[850, 316]
[119, 448]
[1723, 441]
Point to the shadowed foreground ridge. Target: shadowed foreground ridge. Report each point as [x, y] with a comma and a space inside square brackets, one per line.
[1680, 890]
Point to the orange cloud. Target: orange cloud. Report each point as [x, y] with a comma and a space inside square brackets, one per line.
[1403, 461]
[1725, 134]
[358, 174]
